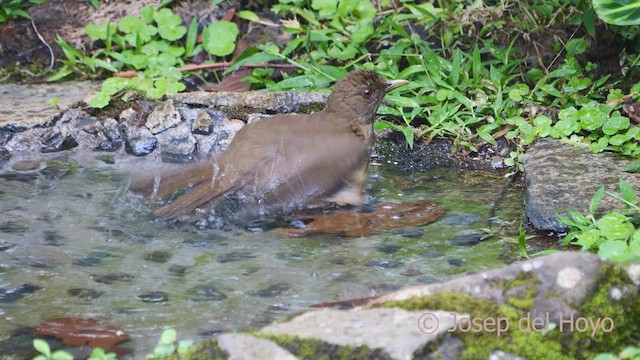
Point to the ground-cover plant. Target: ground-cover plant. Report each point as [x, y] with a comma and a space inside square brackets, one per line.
[154, 44]
[10, 9]
[616, 235]
[464, 85]
[167, 345]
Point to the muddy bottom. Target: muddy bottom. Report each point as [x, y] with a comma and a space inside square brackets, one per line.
[75, 243]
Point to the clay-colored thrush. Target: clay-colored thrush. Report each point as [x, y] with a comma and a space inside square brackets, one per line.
[287, 161]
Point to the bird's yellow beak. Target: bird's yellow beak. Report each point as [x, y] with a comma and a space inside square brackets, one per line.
[394, 84]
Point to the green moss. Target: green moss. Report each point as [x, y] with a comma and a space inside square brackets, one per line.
[204, 350]
[72, 167]
[305, 348]
[523, 288]
[600, 305]
[554, 344]
[479, 345]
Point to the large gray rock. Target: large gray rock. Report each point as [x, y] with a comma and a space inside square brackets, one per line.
[561, 177]
[247, 347]
[26, 106]
[554, 285]
[398, 332]
[271, 102]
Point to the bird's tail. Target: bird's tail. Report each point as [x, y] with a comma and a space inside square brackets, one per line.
[164, 181]
[210, 181]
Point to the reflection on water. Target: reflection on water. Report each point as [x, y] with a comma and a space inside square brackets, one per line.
[75, 243]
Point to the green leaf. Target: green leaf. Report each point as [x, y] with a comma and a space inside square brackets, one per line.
[576, 46]
[97, 32]
[54, 101]
[626, 191]
[325, 8]
[221, 38]
[632, 167]
[100, 100]
[61, 355]
[61, 74]
[595, 200]
[147, 13]
[192, 37]
[168, 336]
[618, 12]
[616, 250]
[616, 123]
[42, 347]
[248, 15]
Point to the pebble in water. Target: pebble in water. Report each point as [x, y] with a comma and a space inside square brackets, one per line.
[235, 256]
[206, 292]
[153, 297]
[271, 290]
[111, 278]
[17, 293]
[85, 294]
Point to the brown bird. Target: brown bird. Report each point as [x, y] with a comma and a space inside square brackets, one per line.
[287, 161]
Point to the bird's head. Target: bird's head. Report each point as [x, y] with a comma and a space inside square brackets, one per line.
[361, 92]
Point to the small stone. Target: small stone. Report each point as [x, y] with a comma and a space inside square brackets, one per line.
[85, 294]
[26, 165]
[111, 278]
[141, 146]
[177, 270]
[4, 246]
[460, 219]
[178, 145]
[164, 117]
[467, 239]
[158, 256]
[153, 297]
[235, 256]
[384, 263]
[271, 290]
[109, 136]
[17, 293]
[410, 233]
[203, 124]
[129, 116]
[57, 142]
[455, 262]
[388, 248]
[432, 254]
[206, 292]
[427, 279]
[93, 259]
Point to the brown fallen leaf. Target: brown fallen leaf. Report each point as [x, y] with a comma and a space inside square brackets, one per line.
[351, 223]
[84, 332]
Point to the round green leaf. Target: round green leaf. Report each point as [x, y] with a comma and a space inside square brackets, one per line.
[616, 123]
[615, 250]
[100, 100]
[221, 38]
[42, 347]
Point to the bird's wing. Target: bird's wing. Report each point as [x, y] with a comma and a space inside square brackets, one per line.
[317, 163]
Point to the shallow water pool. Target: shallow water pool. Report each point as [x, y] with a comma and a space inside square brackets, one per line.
[75, 243]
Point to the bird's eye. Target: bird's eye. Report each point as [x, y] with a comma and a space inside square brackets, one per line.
[367, 93]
